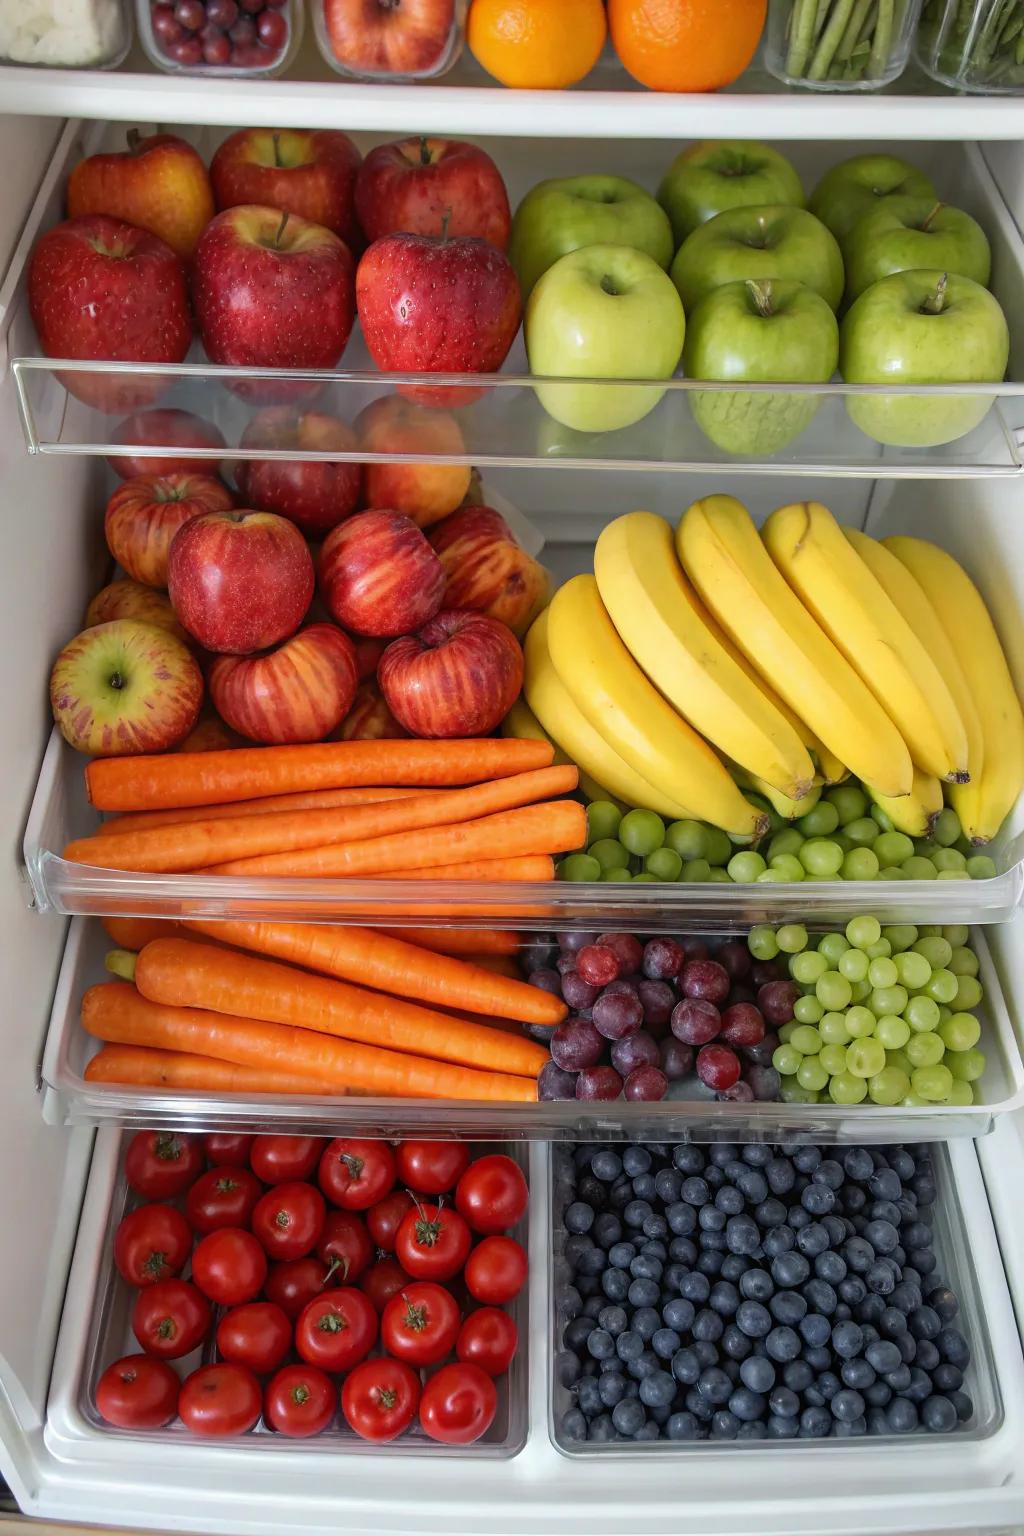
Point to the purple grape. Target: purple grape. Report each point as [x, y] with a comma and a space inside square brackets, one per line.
[657, 1000]
[736, 958]
[776, 1001]
[742, 994]
[539, 953]
[624, 985]
[696, 949]
[765, 1083]
[564, 964]
[577, 992]
[599, 964]
[705, 979]
[571, 943]
[629, 950]
[553, 1083]
[618, 1014]
[639, 1050]
[547, 981]
[540, 1032]
[645, 1083]
[763, 971]
[761, 1054]
[739, 1093]
[718, 1067]
[662, 959]
[598, 1083]
[742, 1024]
[695, 1021]
[676, 1058]
[576, 1044]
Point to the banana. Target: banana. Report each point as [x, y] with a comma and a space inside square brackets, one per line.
[915, 813]
[609, 688]
[562, 721]
[835, 585]
[660, 621]
[522, 722]
[832, 770]
[983, 804]
[789, 809]
[734, 574]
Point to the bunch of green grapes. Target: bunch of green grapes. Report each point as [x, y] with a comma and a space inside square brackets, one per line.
[638, 845]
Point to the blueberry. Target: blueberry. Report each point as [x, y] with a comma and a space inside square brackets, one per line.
[621, 1255]
[629, 1346]
[736, 1345]
[711, 1219]
[754, 1429]
[574, 1425]
[901, 1416]
[883, 1356]
[657, 1390]
[644, 1186]
[688, 1159]
[724, 1298]
[847, 1340]
[797, 1375]
[813, 1397]
[814, 1423]
[575, 1247]
[714, 1385]
[588, 1397]
[806, 1159]
[871, 1309]
[612, 1388]
[757, 1373]
[683, 1426]
[636, 1213]
[667, 1184]
[579, 1217]
[815, 1329]
[886, 1210]
[699, 1406]
[783, 1428]
[577, 1331]
[709, 1262]
[695, 1191]
[812, 1239]
[927, 1356]
[742, 1235]
[782, 1344]
[756, 1155]
[882, 1236]
[938, 1415]
[880, 1279]
[878, 1394]
[858, 1164]
[686, 1367]
[724, 1425]
[753, 1185]
[850, 1429]
[788, 1307]
[859, 1255]
[729, 1200]
[842, 1312]
[838, 1229]
[643, 1366]
[613, 1320]
[943, 1301]
[747, 1405]
[681, 1250]
[654, 1248]
[646, 1322]
[696, 1288]
[819, 1359]
[643, 1293]
[847, 1405]
[770, 1213]
[591, 1191]
[707, 1326]
[821, 1295]
[779, 1241]
[606, 1165]
[636, 1160]
[678, 1314]
[780, 1175]
[947, 1378]
[753, 1319]
[925, 1323]
[828, 1384]
[963, 1405]
[899, 1379]
[655, 1227]
[594, 1305]
[665, 1342]
[615, 1284]
[756, 1285]
[830, 1266]
[600, 1344]
[628, 1416]
[733, 1266]
[681, 1218]
[797, 1217]
[918, 1234]
[892, 1322]
[706, 1352]
[854, 1199]
[644, 1267]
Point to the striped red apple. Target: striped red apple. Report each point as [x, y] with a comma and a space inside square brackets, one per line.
[459, 675]
[298, 692]
[379, 575]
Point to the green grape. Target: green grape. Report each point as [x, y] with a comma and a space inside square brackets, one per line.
[773, 877]
[863, 931]
[833, 1058]
[745, 867]
[943, 986]
[861, 991]
[792, 1093]
[786, 866]
[860, 1022]
[844, 1088]
[832, 990]
[786, 1060]
[579, 866]
[892, 848]
[881, 949]
[888, 1086]
[893, 1032]
[832, 945]
[641, 832]
[687, 838]
[646, 878]
[888, 999]
[899, 1059]
[946, 827]
[900, 936]
[960, 1032]
[969, 993]
[697, 872]
[862, 832]
[963, 962]
[966, 1066]
[811, 1074]
[882, 972]
[932, 1083]
[617, 875]
[860, 864]
[784, 1031]
[892, 872]
[807, 1010]
[918, 868]
[820, 820]
[788, 841]
[832, 1029]
[842, 841]
[792, 938]
[807, 967]
[849, 800]
[762, 943]
[936, 950]
[946, 859]
[881, 818]
[609, 853]
[981, 867]
[806, 1040]
[924, 847]
[925, 1050]
[912, 970]
[664, 864]
[956, 934]
[853, 965]
[719, 876]
[945, 1013]
[922, 1014]
[603, 820]
[930, 931]
[865, 1057]
[819, 879]
[820, 857]
[913, 1101]
[960, 1094]
[717, 847]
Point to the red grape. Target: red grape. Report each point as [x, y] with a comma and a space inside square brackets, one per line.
[736, 958]
[662, 959]
[739, 1093]
[639, 1050]
[676, 1058]
[190, 14]
[598, 1083]
[221, 13]
[742, 994]
[705, 979]
[776, 1001]
[645, 1083]
[553, 1083]
[696, 949]
[617, 1014]
[164, 25]
[657, 1000]
[243, 31]
[718, 1067]
[216, 49]
[598, 964]
[572, 943]
[577, 992]
[742, 1024]
[695, 1021]
[252, 6]
[576, 1044]
[629, 950]
[272, 30]
[187, 51]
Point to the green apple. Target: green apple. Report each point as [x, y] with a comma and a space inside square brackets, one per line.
[906, 233]
[853, 187]
[603, 312]
[765, 330]
[770, 241]
[922, 328]
[708, 178]
[557, 217]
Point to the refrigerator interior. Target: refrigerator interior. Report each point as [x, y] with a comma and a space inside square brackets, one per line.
[55, 559]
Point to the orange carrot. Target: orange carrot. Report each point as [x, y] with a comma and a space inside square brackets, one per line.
[388, 963]
[189, 975]
[133, 932]
[470, 942]
[249, 773]
[114, 1011]
[200, 844]
[315, 800]
[557, 826]
[146, 1068]
[530, 866]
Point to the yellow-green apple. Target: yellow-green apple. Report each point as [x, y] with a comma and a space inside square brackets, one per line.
[210, 734]
[922, 328]
[100, 289]
[487, 570]
[310, 172]
[387, 38]
[853, 187]
[125, 687]
[769, 241]
[272, 290]
[165, 427]
[603, 312]
[425, 492]
[378, 574]
[297, 692]
[761, 331]
[559, 216]
[424, 186]
[144, 514]
[458, 675]
[132, 600]
[369, 718]
[904, 234]
[428, 304]
[158, 183]
[316, 494]
[718, 174]
[240, 581]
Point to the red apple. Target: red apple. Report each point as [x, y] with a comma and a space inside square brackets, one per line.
[457, 676]
[210, 734]
[158, 183]
[369, 651]
[378, 574]
[315, 494]
[433, 305]
[131, 600]
[169, 428]
[425, 186]
[385, 37]
[272, 290]
[369, 718]
[240, 581]
[309, 172]
[144, 514]
[424, 492]
[298, 692]
[123, 688]
[487, 569]
[99, 289]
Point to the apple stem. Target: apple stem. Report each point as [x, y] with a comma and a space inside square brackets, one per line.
[424, 150]
[280, 229]
[761, 292]
[277, 150]
[935, 303]
[928, 221]
[446, 219]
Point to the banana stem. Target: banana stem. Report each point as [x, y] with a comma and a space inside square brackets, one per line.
[121, 962]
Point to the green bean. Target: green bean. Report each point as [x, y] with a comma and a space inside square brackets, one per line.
[853, 26]
[804, 16]
[830, 40]
[881, 44]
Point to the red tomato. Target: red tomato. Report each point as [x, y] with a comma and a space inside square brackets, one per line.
[282, 1159]
[458, 1405]
[224, 1196]
[229, 1266]
[432, 1243]
[496, 1270]
[295, 1283]
[137, 1393]
[161, 1164]
[337, 1330]
[289, 1220]
[384, 1280]
[488, 1338]
[431, 1167]
[356, 1174]
[385, 1218]
[379, 1398]
[224, 1149]
[256, 1334]
[152, 1243]
[170, 1319]
[300, 1401]
[492, 1194]
[220, 1400]
[421, 1323]
[345, 1239]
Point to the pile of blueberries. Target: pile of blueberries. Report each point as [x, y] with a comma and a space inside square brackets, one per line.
[762, 1292]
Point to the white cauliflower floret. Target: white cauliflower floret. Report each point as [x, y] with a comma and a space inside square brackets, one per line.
[60, 32]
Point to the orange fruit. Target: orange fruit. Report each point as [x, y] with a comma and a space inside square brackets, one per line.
[685, 45]
[537, 45]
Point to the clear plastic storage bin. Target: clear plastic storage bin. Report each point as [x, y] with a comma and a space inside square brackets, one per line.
[378, 43]
[973, 45]
[220, 37]
[68, 34]
[839, 45]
